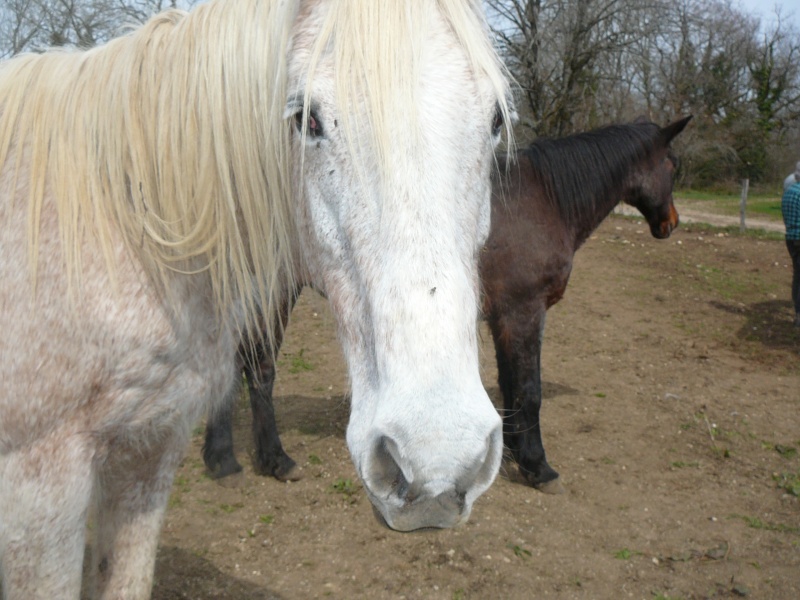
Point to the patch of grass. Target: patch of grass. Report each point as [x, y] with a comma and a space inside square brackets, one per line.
[757, 523]
[679, 464]
[663, 596]
[266, 519]
[626, 554]
[299, 364]
[723, 203]
[733, 231]
[459, 594]
[600, 395]
[786, 451]
[344, 486]
[727, 284]
[789, 482]
[229, 508]
[313, 459]
[182, 483]
[519, 551]
[721, 452]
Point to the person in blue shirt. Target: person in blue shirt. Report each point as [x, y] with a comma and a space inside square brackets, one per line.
[790, 209]
[792, 179]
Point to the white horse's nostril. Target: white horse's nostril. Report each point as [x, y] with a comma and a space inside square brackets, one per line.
[386, 475]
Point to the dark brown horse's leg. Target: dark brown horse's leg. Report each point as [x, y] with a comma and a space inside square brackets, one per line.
[518, 347]
[218, 446]
[270, 457]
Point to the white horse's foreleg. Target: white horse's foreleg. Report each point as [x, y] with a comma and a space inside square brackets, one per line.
[45, 492]
[134, 489]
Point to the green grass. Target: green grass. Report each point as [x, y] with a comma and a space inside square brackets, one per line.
[661, 596]
[758, 204]
[789, 482]
[756, 523]
[728, 285]
[344, 486]
[679, 464]
[625, 554]
[785, 450]
[519, 551]
[299, 364]
[733, 231]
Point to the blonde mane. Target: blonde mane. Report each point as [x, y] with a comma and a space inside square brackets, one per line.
[372, 41]
[172, 136]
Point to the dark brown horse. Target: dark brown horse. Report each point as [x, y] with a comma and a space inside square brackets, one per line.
[543, 210]
[544, 207]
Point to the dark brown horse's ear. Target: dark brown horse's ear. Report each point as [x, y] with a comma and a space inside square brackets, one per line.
[673, 129]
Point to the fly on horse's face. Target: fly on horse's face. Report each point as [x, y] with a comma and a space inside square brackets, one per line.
[392, 210]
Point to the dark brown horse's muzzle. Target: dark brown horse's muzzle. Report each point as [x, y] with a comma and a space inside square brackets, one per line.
[665, 228]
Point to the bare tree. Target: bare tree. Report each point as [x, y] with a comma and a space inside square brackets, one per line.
[563, 52]
[27, 25]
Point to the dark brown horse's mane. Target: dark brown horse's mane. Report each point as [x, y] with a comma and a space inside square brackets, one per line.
[577, 170]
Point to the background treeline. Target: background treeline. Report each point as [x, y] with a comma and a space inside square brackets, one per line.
[583, 63]
[580, 64]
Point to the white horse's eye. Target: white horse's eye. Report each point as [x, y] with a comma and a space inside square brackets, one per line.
[313, 124]
[497, 121]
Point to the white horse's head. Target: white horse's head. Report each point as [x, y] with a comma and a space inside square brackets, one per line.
[396, 121]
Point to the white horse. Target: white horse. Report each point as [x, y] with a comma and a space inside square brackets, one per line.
[154, 193]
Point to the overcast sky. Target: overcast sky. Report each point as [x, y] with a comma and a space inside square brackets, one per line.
[764, 8]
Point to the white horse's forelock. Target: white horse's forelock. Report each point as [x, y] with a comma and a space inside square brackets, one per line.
[372, 42]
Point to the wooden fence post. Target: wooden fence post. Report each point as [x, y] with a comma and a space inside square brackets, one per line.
[743, 204]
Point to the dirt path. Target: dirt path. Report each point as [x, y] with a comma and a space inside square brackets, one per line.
[672, 411]
[696, 215]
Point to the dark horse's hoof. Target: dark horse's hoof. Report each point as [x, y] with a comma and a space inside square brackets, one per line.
[293, 474]
[281, 467]
[547, 481]
[553, 486]
[219, 468]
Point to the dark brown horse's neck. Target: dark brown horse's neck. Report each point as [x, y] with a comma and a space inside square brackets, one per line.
[590, 220]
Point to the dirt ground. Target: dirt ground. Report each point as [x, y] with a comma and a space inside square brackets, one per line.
[672, 411]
